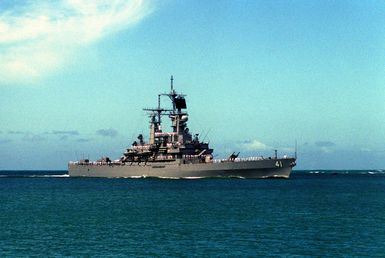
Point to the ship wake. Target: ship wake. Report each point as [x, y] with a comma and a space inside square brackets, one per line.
[34, 176]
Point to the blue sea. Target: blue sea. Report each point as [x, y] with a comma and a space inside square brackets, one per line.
[314, 213]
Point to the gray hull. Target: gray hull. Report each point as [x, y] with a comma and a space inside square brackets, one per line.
[266, 168]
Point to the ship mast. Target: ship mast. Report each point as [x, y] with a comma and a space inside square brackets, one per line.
[177, 116]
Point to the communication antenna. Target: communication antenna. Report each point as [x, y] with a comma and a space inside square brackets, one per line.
[295, 149]
[172, 83]
[206, 134]
[159, 111]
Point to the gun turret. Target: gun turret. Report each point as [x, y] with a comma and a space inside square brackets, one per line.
[233, 156]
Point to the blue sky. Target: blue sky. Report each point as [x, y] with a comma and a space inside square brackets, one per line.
[259, 75]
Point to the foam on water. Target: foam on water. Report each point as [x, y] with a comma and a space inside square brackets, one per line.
[34, 176]
[144, 176]
[345, 172]
[134, 177]
[376, 172]
[166, 177]
[64, 175]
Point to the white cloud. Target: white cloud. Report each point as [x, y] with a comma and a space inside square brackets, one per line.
[41, 36]
[254, 145]
[325, 146]
[287, 150]
[107, 132]
[30, 137]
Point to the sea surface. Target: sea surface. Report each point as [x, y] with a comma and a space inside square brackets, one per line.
[313, 214]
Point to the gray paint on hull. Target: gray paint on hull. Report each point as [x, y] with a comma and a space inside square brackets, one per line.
[247, 169]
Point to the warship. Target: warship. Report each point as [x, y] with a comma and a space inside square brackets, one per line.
[178, 153]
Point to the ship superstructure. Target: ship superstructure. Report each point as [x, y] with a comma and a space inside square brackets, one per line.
[178, 144]
[178, 153]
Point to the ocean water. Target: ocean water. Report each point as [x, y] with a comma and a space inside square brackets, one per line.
[314, 213]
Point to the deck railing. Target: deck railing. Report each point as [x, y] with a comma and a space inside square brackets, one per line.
[247, 159]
